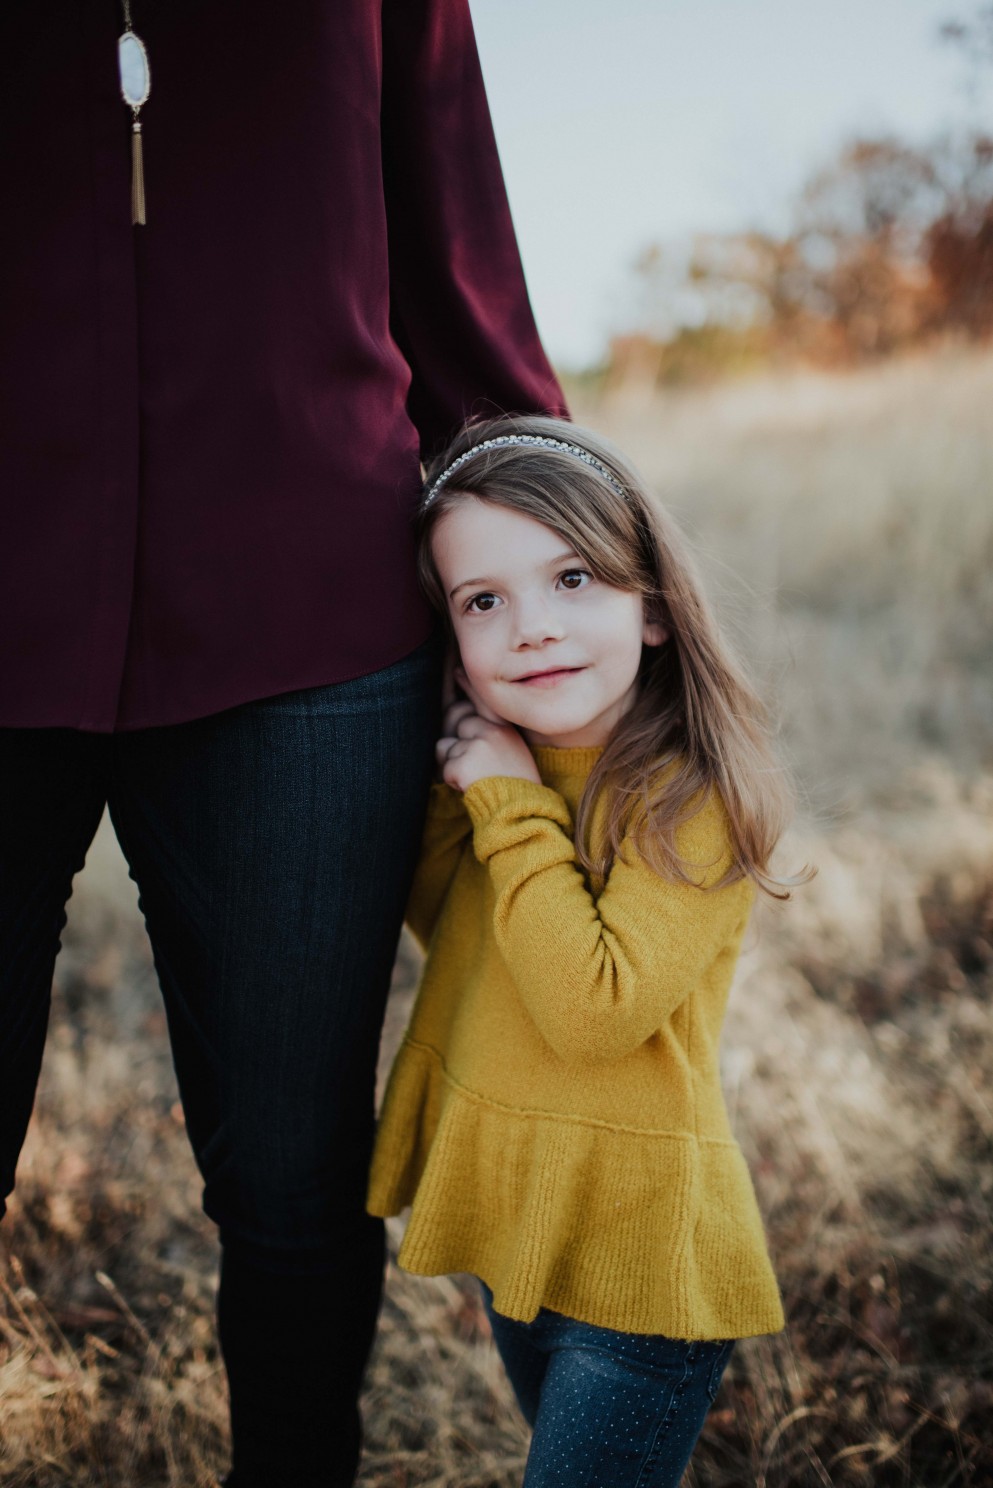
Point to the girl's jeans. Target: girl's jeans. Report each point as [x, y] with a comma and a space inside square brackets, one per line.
[609, 1410]
[273, 847]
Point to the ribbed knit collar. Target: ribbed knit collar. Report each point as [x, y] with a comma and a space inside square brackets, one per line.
[557, 764]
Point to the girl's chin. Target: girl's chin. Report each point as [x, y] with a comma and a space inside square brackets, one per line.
[545, 725]
[551, 726]
[564, 736]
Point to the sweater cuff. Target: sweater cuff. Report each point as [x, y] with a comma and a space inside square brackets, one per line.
[508, 796]
[444, 801]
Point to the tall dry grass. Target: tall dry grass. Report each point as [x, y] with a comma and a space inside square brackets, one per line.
[846, 528]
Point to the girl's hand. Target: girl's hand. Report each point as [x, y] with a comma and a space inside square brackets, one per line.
[473, 748]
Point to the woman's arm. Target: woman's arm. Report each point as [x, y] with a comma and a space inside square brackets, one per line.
[460, 311]
[598, 975]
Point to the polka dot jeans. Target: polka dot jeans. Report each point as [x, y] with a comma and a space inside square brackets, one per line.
[609, 1410]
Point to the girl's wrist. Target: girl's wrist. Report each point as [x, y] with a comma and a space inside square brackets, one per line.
[509, 772]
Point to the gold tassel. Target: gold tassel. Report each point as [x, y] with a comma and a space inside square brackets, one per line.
[137, 176]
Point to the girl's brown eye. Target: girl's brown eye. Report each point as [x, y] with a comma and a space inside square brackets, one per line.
[482, 602]
[573, 578]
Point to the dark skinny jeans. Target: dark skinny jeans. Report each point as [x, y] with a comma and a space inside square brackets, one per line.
[273, 847]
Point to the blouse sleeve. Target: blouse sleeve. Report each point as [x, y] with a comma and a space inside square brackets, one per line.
[446, 832]
[459, 305]
[599, 975]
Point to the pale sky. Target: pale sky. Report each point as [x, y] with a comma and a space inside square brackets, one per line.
[624, 123]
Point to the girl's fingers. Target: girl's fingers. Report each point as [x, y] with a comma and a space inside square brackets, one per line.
[449, 748]
[455, 714]
[472, 726]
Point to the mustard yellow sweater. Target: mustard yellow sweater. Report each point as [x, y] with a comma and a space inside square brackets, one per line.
[555, 1114]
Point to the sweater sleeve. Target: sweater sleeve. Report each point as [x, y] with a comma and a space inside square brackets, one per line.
[599, 975]
[459, 306]
[446, 830]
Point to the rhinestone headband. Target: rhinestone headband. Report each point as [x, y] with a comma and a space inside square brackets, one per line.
[540, 441]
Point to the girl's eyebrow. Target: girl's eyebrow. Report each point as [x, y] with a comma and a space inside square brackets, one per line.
[552, 563]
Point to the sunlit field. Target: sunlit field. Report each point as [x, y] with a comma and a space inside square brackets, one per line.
[844, 524]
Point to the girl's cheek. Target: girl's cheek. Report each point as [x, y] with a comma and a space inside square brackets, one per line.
[472, 641]
[477, 674]
[468, 654]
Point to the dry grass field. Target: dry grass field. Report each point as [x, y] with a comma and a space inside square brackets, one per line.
[845, 525]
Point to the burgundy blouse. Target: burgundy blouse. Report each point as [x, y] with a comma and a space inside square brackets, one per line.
[210, 426]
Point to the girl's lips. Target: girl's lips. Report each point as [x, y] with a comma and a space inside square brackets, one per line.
[549, 678]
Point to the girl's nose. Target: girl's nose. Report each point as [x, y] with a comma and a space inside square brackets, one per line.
[537, 622]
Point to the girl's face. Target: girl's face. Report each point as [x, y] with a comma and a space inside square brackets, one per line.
[544, 644]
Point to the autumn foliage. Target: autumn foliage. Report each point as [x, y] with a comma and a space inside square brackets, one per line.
[891, 248]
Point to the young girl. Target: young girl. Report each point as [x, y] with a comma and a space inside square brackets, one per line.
[607, 809]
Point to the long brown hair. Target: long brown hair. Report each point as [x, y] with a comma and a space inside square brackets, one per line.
[697, 724]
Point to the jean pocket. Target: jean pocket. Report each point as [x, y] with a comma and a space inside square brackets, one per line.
[717, 1368]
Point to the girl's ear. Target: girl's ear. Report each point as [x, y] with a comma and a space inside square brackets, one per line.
[654, 633]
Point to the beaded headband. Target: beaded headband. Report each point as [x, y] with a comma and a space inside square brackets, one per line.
[538, 440]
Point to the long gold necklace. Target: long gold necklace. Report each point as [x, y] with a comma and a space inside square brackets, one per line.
[136, 84]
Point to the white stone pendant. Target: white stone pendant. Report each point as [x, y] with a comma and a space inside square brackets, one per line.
[136, 76]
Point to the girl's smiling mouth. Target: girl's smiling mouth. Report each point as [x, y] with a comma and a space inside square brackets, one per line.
[548, 678]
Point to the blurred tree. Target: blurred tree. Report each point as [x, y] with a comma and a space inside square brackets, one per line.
[958, 243]
[859, 234]
[892, 244]
[974, 37]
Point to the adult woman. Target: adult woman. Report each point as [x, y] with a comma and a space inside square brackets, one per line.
[211, 439]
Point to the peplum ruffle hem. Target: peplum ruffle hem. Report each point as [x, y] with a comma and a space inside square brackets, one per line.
[636, 1230]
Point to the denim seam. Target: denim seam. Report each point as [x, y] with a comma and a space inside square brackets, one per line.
[718, 1367]
[654, 1450]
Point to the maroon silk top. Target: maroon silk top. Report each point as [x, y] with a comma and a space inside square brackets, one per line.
[210, 426]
